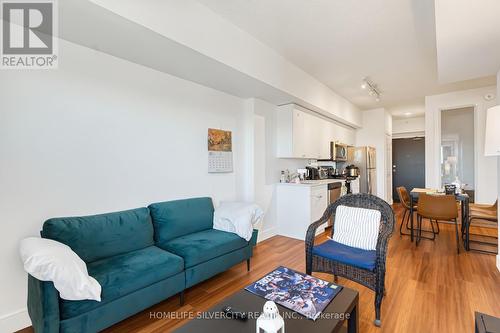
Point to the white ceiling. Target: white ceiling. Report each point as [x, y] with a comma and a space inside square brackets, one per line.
[339, 42]
[468, 39]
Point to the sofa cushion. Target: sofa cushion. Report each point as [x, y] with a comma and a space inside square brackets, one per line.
[125, 273]
[177, 218]
[204, 245]
[365, 259]
[100, 236]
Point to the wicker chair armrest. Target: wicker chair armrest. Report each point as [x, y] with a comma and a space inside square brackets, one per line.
[383, 240]
[311, 231]
[311, 235]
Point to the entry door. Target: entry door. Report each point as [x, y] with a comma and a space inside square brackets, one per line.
[408, 168]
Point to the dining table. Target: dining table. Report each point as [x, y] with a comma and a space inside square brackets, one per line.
[463, 198]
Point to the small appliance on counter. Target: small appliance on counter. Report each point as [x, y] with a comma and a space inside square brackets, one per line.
[323, 172]
[313, 173]
[351, 171]
[330, 171]
[303, 174]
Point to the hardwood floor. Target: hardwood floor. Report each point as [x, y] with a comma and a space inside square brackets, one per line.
[429, 288]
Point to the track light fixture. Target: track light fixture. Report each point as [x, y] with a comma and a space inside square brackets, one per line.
[372, 88]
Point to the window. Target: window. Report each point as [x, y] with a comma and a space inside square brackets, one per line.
[457, 147]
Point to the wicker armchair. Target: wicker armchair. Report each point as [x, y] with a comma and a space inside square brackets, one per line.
[373, 279]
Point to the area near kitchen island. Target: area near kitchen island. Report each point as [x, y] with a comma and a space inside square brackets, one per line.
[300, 204]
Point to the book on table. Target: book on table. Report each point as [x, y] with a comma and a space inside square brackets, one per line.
[296, 291]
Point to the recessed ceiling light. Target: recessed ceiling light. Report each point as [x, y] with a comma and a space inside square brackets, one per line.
[489, 97]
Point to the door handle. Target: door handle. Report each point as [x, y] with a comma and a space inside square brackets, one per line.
[368, 178]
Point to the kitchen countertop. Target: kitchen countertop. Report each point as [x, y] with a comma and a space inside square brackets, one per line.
[311, 183]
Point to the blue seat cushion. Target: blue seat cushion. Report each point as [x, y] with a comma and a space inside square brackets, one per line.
[204, 245]
[365, 259]
[125, 273]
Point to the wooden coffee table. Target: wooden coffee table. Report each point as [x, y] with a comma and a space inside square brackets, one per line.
[344, 307]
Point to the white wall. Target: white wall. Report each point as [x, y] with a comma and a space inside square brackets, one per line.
[486, 167]
[97, 135]
[498, 174]
[408, 127]
[377, 125]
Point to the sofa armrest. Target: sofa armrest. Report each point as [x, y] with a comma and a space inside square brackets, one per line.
[43, 306]
[253, 240]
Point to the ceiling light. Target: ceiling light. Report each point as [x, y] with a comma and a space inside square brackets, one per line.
[407, 114]
[372, 88]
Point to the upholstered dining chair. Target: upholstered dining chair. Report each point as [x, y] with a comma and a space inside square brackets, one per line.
[437, 207]
[366, 267]
[404, 198]
[484, 207]
[481, 212]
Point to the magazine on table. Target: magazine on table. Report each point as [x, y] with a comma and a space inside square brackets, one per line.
[296, 291]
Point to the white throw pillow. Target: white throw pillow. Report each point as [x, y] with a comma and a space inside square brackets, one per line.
[48, 260]
[357, 227]
[237, 217]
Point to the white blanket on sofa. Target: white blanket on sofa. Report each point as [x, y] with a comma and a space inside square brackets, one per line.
[237, 217]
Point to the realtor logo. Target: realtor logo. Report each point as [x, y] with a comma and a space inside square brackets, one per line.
[28, 34]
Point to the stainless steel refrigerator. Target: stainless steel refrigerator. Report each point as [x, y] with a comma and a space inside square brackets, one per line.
[365, 159]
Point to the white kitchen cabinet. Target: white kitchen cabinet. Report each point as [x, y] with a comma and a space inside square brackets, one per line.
[327, 136]
[301, 134]
[298, 206]
[319, 202]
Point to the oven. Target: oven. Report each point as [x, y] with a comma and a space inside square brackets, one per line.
[334, 191]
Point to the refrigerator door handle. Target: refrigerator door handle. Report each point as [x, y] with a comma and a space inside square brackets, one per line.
[369, 181]
[370, 162]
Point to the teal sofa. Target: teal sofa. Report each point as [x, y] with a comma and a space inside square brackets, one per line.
[140, 257]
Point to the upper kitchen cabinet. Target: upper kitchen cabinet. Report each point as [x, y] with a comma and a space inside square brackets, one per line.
[302, 134]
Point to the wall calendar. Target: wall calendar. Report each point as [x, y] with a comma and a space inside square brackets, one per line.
[220, 151]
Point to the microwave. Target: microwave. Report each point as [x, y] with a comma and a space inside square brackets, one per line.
[338, 151]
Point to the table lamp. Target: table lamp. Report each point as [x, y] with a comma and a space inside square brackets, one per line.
[270, 320]
[492, 135]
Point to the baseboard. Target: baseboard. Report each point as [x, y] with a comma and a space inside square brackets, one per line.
[265, 234]
[15, 321]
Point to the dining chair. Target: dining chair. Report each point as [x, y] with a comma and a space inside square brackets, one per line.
[366, 267]
[484, 207]
[437, 207]
[481, 212]
[404, 198]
